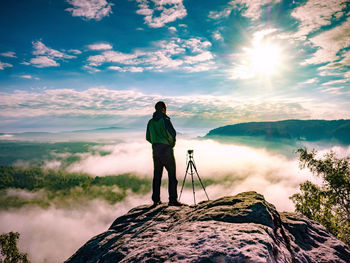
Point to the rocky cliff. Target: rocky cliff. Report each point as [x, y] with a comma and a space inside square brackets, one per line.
[241, 228]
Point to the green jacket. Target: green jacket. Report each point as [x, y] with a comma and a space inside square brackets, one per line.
[160, 130]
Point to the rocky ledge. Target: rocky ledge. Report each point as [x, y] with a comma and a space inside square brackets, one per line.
[241, 228]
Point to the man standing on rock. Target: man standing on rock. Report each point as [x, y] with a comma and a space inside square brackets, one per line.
[162, 135]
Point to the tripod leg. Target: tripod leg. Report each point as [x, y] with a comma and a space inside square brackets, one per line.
[194, 194]
[195, 168]
[183, 183]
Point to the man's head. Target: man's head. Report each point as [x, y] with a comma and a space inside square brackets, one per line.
[160, 106]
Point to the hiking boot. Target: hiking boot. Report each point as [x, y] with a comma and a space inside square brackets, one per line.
[155, 204]
[175, 203]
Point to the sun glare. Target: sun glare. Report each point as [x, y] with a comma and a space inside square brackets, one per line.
[264, 58]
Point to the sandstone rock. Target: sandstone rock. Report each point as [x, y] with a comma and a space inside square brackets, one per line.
[241, 228]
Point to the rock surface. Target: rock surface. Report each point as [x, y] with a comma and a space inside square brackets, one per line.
[241, 228]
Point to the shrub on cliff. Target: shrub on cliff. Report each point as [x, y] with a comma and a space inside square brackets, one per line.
[329, 204]
[9, 250]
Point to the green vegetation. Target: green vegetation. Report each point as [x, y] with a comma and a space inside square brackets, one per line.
[303, 130]
[9, 250]
[36, 152]
[328, 204]
[60, 188]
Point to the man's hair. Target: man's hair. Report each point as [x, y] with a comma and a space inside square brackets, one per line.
[160, 105]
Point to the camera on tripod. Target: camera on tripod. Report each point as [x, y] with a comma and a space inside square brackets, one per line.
[192, 169]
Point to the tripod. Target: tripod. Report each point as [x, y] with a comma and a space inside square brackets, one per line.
[193, 169]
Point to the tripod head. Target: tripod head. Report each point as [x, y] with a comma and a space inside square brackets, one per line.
[190, 154]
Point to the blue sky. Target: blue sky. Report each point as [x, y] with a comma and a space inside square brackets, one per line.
[72, 64]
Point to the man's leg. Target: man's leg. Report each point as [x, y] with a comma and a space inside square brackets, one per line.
[157, 178]
[170, 166]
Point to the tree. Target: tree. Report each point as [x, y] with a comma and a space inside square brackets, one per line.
[329, 204]
[9, 250]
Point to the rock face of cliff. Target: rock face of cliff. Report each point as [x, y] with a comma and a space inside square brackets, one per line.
[241, 228]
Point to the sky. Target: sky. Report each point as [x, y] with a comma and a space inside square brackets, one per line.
[84, 64]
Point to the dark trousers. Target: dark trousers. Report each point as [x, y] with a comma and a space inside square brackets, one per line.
[163, 156]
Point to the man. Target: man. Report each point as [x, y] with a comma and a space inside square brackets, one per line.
[162, 135]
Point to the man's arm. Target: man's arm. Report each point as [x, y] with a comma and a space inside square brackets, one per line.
[148, 134]
[170, 128]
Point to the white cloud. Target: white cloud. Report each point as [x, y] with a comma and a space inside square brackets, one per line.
[121, 104]
[204, 56]
[217, 35]
[112, 56]
[329, 43]
[317, 13]
[174, 54]
[43, 62]
[310, 81]
[249, 8]
[26, 77]
[172, 29]
[74, 51]
[126, 69]
[100, 46]
[9, 54]
[160, 12]
[45, 56]
[4, 65]
[90, 9]
[44, 230]
[41, 49]
[332, 82]
[335, 90]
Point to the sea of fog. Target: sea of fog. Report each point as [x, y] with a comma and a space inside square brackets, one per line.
[54, 233]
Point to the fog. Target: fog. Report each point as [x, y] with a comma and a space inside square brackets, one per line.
[54, 234]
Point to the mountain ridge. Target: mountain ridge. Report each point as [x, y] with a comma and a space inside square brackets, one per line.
[293, 129]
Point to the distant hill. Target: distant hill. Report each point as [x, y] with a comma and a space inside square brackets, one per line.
[304, 130]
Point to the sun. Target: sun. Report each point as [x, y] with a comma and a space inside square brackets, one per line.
[264, 58]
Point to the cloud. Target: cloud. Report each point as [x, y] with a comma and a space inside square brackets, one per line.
[310, 81]
[335, 91]
[44, 230]
[41, 49]
[100, 46]
[191, 55]
[26, 77]
[43, 62]
[248, 8]
[160, 12]
[317, 13]
[9, 54]
[90, 9]
[237, 168]
[74, 51]
[45, 56]
[172, 29]
[338, 81]
[126, 69]
[4, 65]
[129, 107]
[329, 43]
[217, 36]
